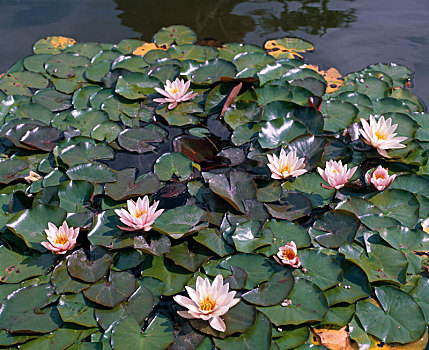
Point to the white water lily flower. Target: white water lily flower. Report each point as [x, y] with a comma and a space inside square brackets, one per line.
[286, 165]
[61, 239]
[175, 92]
[379, 177]
[208, 302]
[336, 174]
[380, 135]
[288, 255]
[140, 215]
[33, 177]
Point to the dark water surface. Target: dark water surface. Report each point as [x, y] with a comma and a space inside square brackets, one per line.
[347, 34]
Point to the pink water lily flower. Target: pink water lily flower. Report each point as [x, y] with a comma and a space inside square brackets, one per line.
[61, 239]
[380, 135]
[208, 302]
[379, 178]
[336, 174]
[175, 92]
[140, 215]
[288, 255]
[286, 165]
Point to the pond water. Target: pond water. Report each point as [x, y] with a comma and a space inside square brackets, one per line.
[347, 34]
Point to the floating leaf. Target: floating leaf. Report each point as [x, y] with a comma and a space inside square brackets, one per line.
[389, 322]
[127, 333]
[308, 305]
[112, 290]
[30, 224]
[52, 44]
[175, 34]
[89, 266]
[22, 311]
[173, 163]
[180, 221]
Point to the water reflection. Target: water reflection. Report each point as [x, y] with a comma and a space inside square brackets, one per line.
[252, 21]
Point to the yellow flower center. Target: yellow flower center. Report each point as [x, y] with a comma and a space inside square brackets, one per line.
[139, 213]
[379, 176]
[61, 238]
[173, 91]
[381, 135]
[285, 168]
[207, 304]
[289, 254]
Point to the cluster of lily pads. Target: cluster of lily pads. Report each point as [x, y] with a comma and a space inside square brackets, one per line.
[283, 203]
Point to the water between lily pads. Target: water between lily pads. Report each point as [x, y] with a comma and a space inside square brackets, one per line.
[347, 34]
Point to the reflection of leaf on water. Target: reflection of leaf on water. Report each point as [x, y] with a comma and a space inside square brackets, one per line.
[235, 20]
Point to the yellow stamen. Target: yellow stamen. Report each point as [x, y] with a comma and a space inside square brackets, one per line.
[139, 213]
[61, 238]
[379, 176]
[289, 254]
[285, 168]
[207, 304]
[381, 135]
[173, 91]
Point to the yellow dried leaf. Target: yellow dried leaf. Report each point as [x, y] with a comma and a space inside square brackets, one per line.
[146, 47]
[332, 76]
[335, 339]
[61, 42]
[279, 51]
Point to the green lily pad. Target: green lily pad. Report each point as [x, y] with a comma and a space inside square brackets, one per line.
[398, 204]
[85, 152]
[137, 85]
[127, 187]
[89, 266]
[211, 71]
[321, 269]
[16, 267]
[175, 34]
[189, 256]
[112, 290]
[173, 163]
[403, 238]
[278, 132]
[335, 228]
[19, 83]
[139, 139]
[52, 99]
[63, 282]
[96, 173]
[235, 190]
[74, 308]
[383, 264]
[389, 322]
[256, 337]
[10, 169]
[180, 221]
[30, 224]
[61, 65]
[127, 333]
[106, 233]
[354, 286]
[308, 305]
[258, 268]
[173, 276]
[211, 239]
[272, 292]
[339, 115]
[22, 311]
